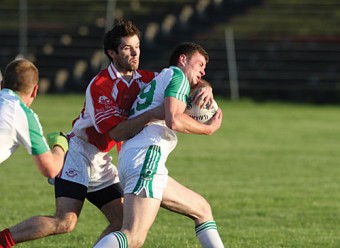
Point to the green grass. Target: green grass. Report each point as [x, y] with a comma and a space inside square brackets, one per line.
[271, 175]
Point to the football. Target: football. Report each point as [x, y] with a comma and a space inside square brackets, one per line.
[202, 115]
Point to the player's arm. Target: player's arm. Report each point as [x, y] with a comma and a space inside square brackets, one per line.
[51, 162]
[129, 128]
[177, 120]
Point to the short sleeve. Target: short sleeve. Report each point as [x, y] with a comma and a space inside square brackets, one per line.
[178, 86]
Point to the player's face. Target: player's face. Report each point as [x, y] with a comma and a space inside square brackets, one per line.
[194, 69]
[127, 59]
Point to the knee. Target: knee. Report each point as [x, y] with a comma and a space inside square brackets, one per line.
[66, 224]
[203, 212]
[135, 241]
[206, 209]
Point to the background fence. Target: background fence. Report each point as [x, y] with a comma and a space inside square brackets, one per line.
[284, 49]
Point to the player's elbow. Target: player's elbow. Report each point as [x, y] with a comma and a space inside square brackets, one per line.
[172, 124]
[53, 169]
[49, 171]
[169, 123]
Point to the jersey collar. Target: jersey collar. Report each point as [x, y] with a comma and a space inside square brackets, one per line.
[114, 73]
[12, 93]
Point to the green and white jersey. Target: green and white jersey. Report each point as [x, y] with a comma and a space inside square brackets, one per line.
[171, 82]
[19, 125]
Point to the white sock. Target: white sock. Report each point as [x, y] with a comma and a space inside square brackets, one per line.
[208, 235]
[113, 240]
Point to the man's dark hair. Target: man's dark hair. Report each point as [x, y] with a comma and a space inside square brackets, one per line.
[187, 48]
[121, 29]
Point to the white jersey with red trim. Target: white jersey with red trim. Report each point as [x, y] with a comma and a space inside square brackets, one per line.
[108, 100]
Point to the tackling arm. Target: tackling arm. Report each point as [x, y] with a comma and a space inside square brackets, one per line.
[129, 128]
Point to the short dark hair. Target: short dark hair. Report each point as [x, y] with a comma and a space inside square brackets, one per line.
[121, 29]
[187, 48]
[20, 75]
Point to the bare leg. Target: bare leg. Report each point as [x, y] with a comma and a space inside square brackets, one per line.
[114, 214]
[37, 227]
[139, 214]
[181, 200]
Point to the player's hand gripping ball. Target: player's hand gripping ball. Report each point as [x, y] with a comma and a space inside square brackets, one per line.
[202, 115]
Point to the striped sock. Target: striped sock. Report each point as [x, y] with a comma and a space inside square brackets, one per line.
[6, 240]
[208, 235]
[113, 240]
[122, 239]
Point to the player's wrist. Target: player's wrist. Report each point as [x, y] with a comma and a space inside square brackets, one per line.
[57, 139]
[58, 148]
[62, 142]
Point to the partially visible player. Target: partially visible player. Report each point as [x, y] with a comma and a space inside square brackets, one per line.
[19, 125]
[142, 160]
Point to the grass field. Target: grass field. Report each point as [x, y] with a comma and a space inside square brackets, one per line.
[271, 175]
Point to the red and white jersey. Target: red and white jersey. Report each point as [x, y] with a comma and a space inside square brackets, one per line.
[108, 100]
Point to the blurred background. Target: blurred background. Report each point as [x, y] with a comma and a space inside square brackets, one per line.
[285, 50]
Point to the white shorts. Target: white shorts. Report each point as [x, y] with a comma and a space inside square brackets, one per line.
[143, 169]
[86, 165]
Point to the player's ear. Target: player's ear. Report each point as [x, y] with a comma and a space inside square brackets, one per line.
[35, 91]
[182, 59]
[111, 53]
